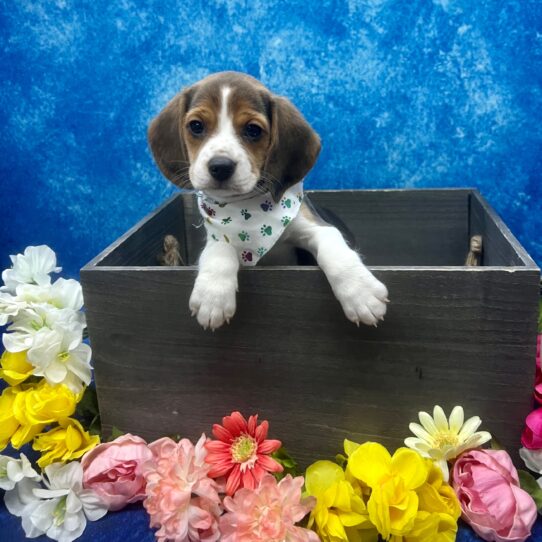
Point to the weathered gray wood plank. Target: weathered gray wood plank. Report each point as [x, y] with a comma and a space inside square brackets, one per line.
[452, 336]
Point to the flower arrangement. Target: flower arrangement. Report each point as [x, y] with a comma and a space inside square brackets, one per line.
[240, 486]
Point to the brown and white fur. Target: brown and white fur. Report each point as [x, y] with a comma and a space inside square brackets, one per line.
[229, 135]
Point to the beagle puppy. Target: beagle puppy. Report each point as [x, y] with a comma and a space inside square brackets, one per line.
[245, 151]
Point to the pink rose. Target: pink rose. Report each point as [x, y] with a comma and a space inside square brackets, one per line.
[114, 470]
[486, 483]
[532, 434]
[538, 379]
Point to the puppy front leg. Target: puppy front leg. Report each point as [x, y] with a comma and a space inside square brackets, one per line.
[362, 296]
[213, 297]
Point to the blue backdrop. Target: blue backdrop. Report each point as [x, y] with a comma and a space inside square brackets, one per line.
[415, 93]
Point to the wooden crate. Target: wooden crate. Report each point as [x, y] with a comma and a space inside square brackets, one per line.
[452, 335]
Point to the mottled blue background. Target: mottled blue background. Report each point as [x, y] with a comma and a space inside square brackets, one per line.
[405, 93]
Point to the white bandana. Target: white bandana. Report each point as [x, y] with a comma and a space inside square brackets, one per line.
[251, 224]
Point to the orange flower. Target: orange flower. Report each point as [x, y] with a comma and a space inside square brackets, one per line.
[241, 453]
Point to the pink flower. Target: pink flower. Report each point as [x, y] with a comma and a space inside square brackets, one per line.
[113, 470]
[486, 483]
[268, 513]
[241, 452]
[538, 378]
[532, 434]
[182, 500]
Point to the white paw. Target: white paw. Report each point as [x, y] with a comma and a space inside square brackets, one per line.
[213, 301]
[362, 296]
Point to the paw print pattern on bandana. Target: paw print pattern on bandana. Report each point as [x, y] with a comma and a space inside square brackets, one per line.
[266, 230]
[251, 224]
[209, 210]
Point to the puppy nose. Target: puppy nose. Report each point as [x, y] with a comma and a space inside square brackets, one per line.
[221, 168]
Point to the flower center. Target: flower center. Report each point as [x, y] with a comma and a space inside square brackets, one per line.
[243, 448]
[63, 357]
[59, 512]
[445, 439]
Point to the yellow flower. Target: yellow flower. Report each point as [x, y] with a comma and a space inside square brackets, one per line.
[430, 528]
[393, 504]
[340, 514]
[38, 405]
[15, 367]
[64, 443]
[8, 422]
[436, 496]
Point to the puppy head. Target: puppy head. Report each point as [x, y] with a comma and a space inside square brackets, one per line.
[228, 135]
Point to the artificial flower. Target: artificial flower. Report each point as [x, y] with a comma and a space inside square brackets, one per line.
[532, 459]
[393, 503]
[430, 527]
[441, 439]
[39, 320]
[181, 499]
[268, 513]
[12, 471]
[8, 422]
[32, 267]
[538, 375]
[66, 442]
[15, 367]
[62, 509]
[38, 405]
[9, 307]
[62, 294]
[114, 470]
[486, 483]
[62, 358]
[241, 453]
[436, 495]
[340, 513]
[531, 437]
[21, 502]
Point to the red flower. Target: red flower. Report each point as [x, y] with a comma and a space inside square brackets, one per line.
[241, 453]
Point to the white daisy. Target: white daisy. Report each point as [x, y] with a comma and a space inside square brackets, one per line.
[441, 439]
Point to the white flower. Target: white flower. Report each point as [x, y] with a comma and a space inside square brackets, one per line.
[532, 459]
[9, 307]
[41, 319]
[12, 471]
[62, 294]
[32, 267]
[62, 359]
[21, 502]
[441, 439]
[61, 511]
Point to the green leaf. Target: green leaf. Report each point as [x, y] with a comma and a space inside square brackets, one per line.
[287, 461]
[87, 412]
[495, 444]
[115, 433]
[529, 484]
[341, 460]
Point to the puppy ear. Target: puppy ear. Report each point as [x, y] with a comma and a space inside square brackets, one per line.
[294, 147]
[165, 136]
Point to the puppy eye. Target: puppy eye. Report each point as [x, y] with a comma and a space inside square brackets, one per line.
[253, 131]
[196, 127]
